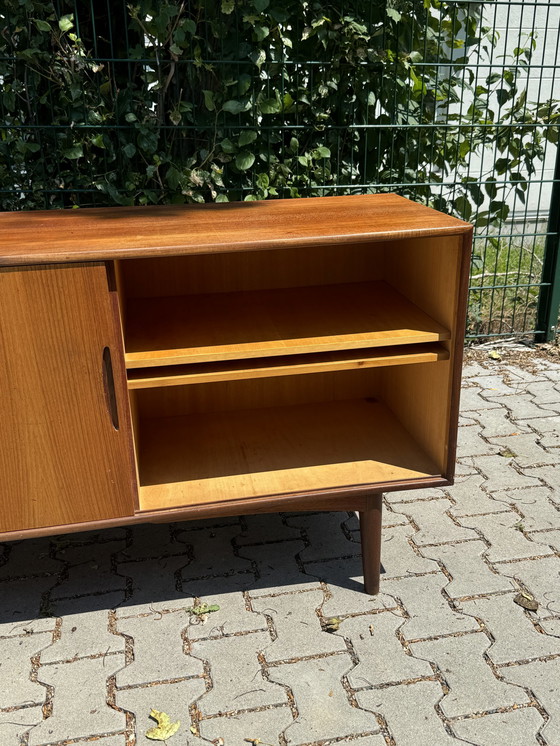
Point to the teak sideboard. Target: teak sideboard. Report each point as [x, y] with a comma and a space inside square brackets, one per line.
[172, 362]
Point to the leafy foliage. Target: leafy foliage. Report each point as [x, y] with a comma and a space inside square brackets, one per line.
[201, 100]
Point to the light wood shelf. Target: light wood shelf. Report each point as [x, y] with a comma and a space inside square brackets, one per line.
[180, 375]
[226, 456]
[261, 323]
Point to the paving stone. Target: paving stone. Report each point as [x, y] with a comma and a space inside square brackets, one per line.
[515, 636]
[323, 706]
[15, 670]
[471, 370]
[515, 728]
[471, 575]
[83, 633]
[550, 475]
[297, 626]
[501, 474]
[493, 384]
[277, 568]
[535, 505]
[346, 588]
[80, 703]
[390, 518]
[429, 612]
[382, 657]
[20, 606]
[327, 539]
[541, 678]
[540, 576]
[262, 528]
[521, 407]
[506, 542]
[435, 527]
[464, 468]
[28, 558]
[471, 443]
[545, 425]
[213, 553]
[154, 540]
[527, 451]
[422, 724]
[473, 686]
[158, 649]
[13, 725]
[266, 726]
[90, 569]
[174, 699]
[232, 616]
[549, 440]
[397, 556]
[471, 499]
[236, 674]
[472, 400]
[551, 626]
[543, 392]
[407, 496]
[518, 375]
[154, 586]
[548, 538]
[497, 422]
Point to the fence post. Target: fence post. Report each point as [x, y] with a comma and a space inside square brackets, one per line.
[549, 296]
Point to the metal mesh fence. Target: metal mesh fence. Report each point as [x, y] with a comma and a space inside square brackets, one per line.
[453, 110]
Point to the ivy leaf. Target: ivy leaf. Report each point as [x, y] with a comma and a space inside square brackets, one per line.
[246, 137]
[165, 728]
[234, 107]
[269, 106]
[129, 149]
[228, 6]
[74, 152]
[394, 14]
[43, 25]
[98, 142]
[244, 160]
[261, 5]
[66, 22]
[209, 100]
[321, 152]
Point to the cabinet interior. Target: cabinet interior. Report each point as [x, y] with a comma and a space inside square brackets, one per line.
[257, 373]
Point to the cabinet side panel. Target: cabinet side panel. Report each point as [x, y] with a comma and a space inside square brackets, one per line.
[429, 271]
[65, 454]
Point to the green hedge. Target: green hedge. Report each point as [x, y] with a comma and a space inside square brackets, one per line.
[252, 99]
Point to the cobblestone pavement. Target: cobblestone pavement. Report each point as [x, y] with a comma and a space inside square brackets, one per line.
[95, 631]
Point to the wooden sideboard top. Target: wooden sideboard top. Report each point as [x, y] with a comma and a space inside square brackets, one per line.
[95, 234]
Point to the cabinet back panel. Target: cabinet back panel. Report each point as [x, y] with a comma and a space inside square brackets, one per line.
[250, 270]
[171, 401]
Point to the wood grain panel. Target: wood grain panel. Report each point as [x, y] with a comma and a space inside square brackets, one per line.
[428, 271]
[61, 459]
[179, 375]
[225, 326]
[225, 456]
[227, 396]
[251, 270]
[171, 230]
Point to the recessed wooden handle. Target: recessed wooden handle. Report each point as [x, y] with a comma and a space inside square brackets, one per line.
[109, 387]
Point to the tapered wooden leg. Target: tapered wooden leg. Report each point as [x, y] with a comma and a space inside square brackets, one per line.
[370, 532]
